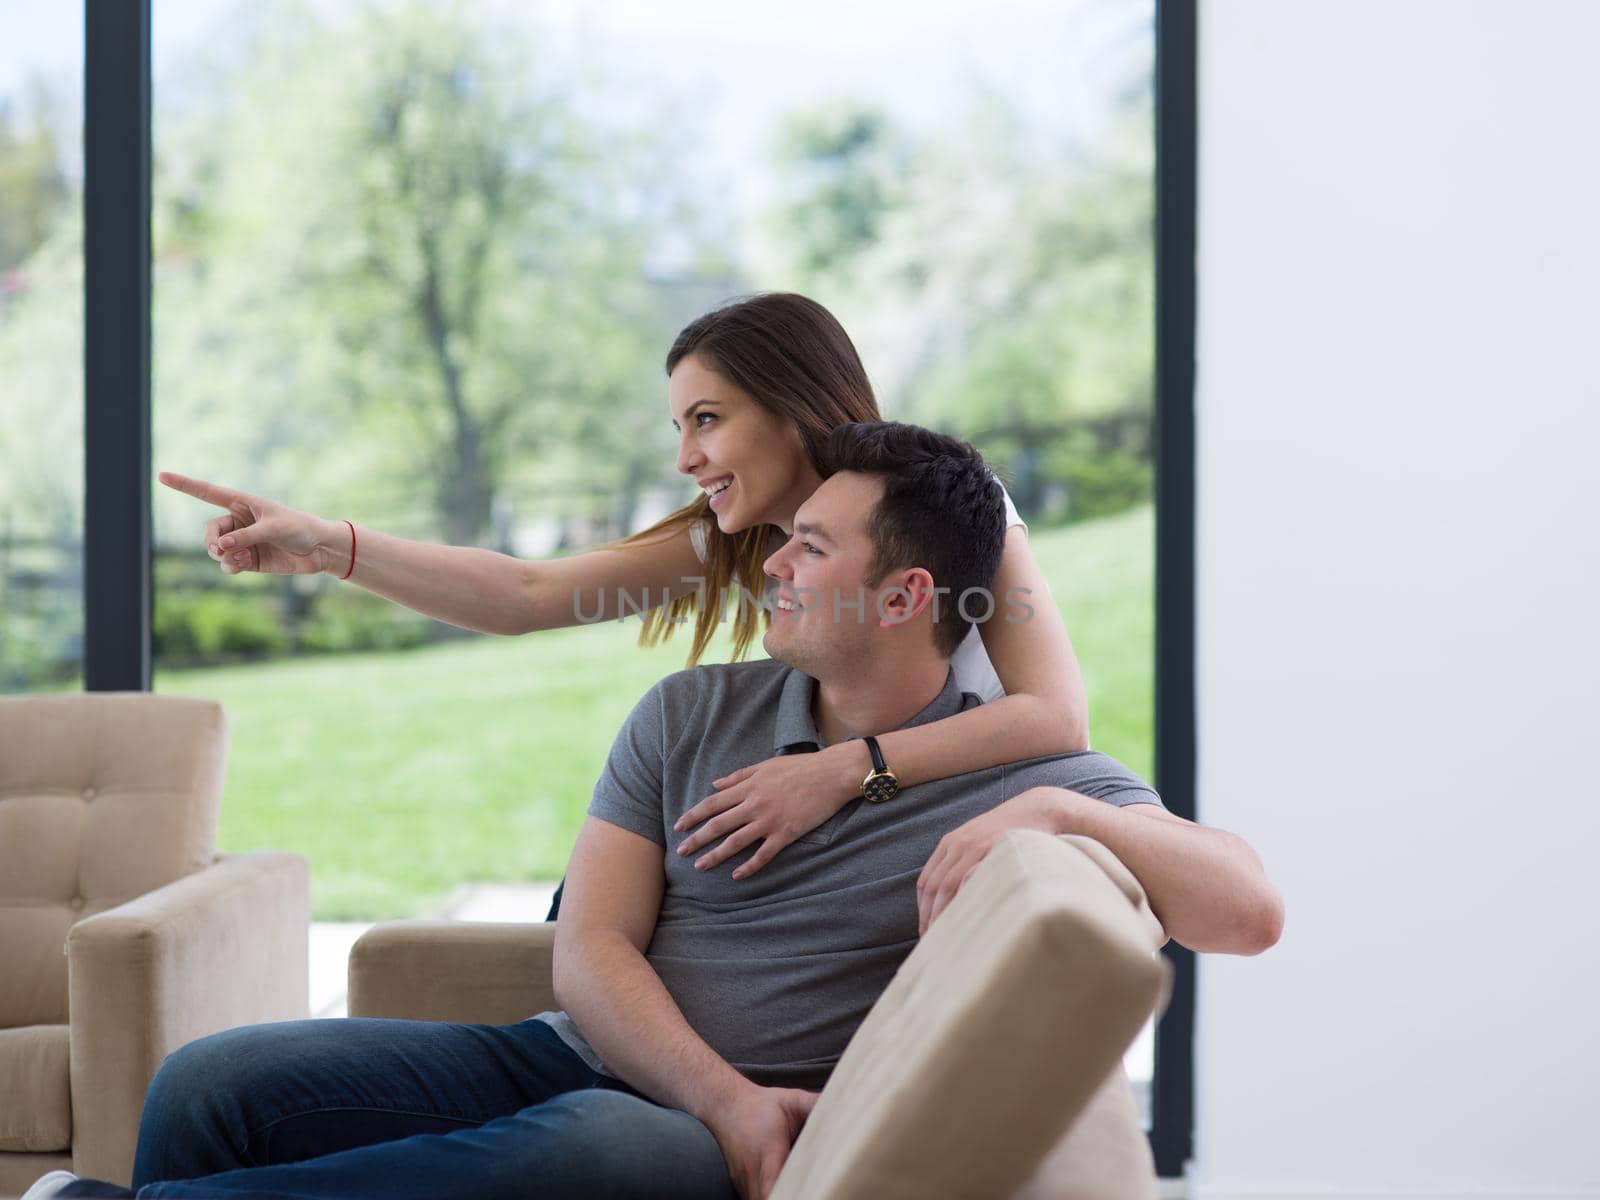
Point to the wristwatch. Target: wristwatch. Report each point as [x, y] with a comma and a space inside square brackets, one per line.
[880, 783]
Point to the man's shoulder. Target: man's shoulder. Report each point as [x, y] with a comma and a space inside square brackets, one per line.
[718, 704]
[712, 685]
[1087, 771]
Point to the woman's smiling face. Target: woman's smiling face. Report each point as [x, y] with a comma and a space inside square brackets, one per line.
[750, 461]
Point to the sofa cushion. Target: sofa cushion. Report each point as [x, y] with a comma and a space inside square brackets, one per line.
[993, 1036]
[103, 797]
[33, 967]
[19, 1172]
[1105, 1153]
[35, 1094]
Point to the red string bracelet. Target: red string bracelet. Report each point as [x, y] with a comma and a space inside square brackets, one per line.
[348, 573]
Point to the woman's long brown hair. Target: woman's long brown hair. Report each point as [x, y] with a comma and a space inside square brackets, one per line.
[792, 357]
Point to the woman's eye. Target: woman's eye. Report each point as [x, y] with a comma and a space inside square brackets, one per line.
[701, 418]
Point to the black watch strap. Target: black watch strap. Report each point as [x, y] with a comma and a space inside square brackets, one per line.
[881, 784]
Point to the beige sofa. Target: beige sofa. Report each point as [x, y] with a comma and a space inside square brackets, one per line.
[123, 935]
[989, 1068]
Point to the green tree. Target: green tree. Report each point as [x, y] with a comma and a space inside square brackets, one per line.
[840, 167]
[41, 396]
[1006, 295]
[41, 326]
[405, 248]
[41, 406]
[33, 183]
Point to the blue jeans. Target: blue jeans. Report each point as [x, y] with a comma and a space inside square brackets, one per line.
[366, 1108]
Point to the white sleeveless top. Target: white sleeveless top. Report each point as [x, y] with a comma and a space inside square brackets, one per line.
[970, 662]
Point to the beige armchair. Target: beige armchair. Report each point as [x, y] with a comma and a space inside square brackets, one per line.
[123, 935]
[990, 1067]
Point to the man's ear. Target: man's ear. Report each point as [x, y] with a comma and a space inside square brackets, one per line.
[905, 596]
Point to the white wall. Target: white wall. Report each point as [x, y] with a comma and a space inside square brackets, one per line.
[1399, 440]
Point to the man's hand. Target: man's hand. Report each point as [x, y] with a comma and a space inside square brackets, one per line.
[756, 1130]
[960, 851]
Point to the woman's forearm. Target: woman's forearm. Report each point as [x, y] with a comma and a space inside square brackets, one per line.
[496, 593]
[463, 585]
[1027, 644]
[1007, 730]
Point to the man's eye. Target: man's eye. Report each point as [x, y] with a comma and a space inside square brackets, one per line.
[809, 548]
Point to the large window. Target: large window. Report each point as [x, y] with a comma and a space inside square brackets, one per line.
[417, 265]
[41, 348]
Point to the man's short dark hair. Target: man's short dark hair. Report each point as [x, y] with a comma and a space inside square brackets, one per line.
[942, 510]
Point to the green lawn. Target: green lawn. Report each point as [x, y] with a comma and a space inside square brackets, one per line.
[401, 775]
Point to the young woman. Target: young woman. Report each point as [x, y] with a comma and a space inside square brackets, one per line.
[754, 389]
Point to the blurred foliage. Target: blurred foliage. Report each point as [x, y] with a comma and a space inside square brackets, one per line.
[41, 380]
[842, 168]
[406, 273]
[201, 618]
[33, 182]
[41, 373]
[1006, 293]
[41, 637]
[346, 620]
[215, 626]
[1099, 482]
[391, 253]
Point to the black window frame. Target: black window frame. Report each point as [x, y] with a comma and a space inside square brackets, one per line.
[117, 423]
[117, 597]
[1172, 1087]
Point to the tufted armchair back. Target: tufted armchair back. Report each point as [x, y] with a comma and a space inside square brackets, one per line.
[103, 797]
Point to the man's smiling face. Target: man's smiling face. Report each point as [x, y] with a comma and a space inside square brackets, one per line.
[826, 615]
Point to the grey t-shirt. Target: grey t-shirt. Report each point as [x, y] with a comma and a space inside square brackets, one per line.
[776, 971]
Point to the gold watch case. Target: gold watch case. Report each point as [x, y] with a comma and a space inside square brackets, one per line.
[879, 786]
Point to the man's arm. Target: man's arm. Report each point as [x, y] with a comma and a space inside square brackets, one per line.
[1206, 886]
[602, 979]
[610, 902]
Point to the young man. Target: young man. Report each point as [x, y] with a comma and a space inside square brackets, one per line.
[702, 1014]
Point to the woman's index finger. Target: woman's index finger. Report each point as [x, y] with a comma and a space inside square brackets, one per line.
[211, 493]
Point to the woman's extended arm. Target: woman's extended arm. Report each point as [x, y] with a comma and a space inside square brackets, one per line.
[475, 589]
[496, 593]
[1043, 712]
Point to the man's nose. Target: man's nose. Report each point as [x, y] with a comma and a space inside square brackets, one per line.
[775, 565]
